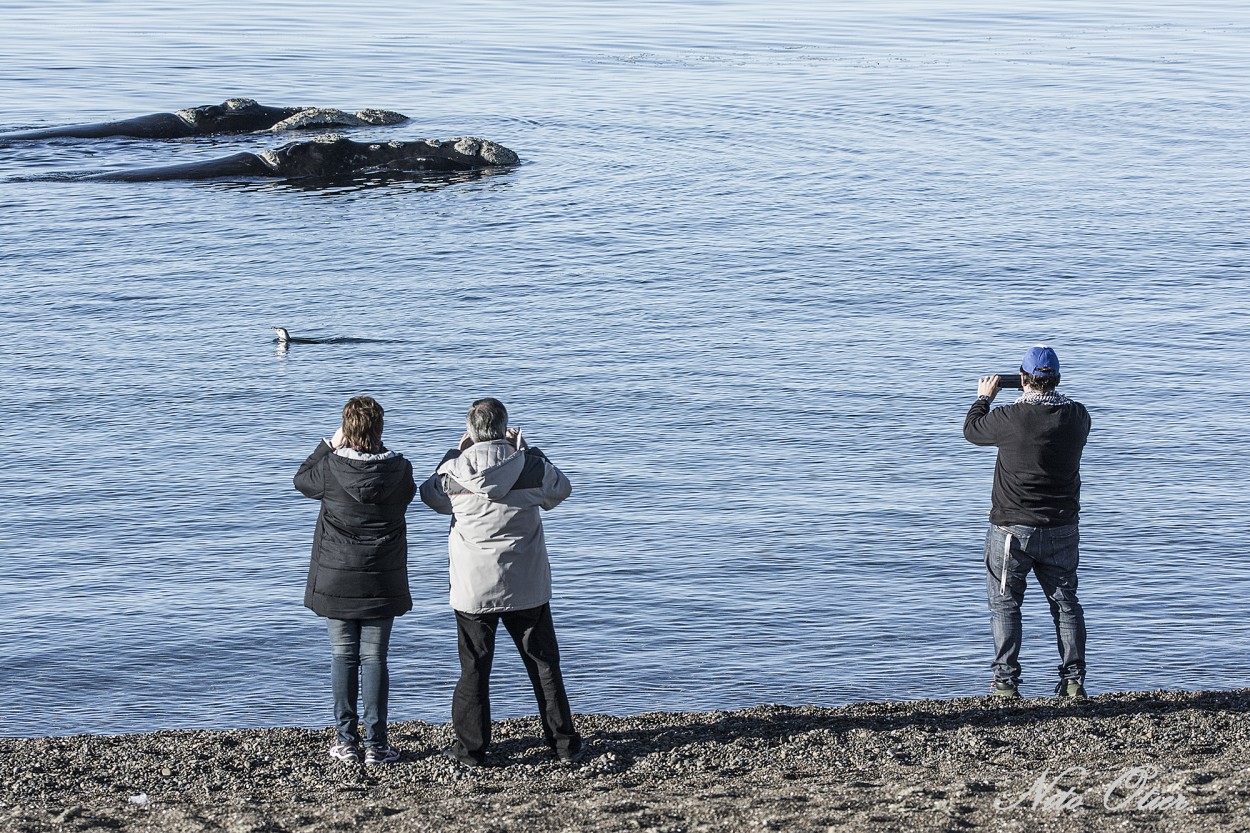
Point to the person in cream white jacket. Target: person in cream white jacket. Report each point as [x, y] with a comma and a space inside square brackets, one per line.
[494, 486]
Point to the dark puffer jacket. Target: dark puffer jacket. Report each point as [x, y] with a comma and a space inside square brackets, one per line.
[359, 566]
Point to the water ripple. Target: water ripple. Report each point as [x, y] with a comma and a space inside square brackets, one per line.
[740, 291]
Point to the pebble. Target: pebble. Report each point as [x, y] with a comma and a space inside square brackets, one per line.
[942, 765]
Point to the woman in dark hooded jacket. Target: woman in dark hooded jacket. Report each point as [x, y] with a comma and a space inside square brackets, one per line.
[358, 578]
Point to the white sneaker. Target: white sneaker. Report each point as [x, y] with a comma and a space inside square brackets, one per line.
[381, 755]
[348, 752]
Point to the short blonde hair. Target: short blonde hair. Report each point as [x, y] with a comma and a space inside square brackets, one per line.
[362, 423]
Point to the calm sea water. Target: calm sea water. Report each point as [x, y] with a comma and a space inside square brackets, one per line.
[740, 290]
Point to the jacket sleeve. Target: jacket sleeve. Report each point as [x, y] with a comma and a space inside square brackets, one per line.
[410, 487]
[556, 487]
[432, 494]
[981, 424]
[311, 477]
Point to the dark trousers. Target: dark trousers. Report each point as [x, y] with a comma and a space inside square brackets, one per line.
[535, 636]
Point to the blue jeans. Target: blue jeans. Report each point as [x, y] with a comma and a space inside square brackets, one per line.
[359, 667]
[1052, 554]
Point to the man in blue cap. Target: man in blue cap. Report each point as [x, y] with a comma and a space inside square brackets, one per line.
[1036, 502]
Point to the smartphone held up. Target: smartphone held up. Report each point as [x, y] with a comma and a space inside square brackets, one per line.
[1009, 380]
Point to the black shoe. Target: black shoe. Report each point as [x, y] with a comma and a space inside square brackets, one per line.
[1004, 688]
[462, 758]
[575, 758]
[1070, 688]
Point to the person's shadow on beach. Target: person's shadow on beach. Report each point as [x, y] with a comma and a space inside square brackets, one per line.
[657, 733]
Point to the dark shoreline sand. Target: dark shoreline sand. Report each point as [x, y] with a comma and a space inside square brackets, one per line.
[927, 765]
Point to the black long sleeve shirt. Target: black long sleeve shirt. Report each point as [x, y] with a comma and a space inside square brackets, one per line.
[1037, 477]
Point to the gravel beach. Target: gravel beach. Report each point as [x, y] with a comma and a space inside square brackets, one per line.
[1155, 761]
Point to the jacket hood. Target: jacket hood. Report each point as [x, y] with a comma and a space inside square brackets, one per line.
[489, 469]
[369, 478]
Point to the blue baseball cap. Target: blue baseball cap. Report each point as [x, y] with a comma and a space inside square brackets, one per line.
[1040, 361]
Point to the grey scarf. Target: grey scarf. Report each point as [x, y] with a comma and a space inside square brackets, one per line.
[1048, 398]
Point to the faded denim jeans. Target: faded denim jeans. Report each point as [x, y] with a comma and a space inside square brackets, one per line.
[359, 667]
[1052, 554]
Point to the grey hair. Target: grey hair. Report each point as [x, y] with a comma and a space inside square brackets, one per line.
[487, 420]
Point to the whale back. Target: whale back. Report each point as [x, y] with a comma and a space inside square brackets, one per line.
[381, 117]
[235, 115]
[333, 155]
[329, 117]
[321, 157]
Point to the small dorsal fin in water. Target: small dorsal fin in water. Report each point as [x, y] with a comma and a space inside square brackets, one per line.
[285, 337]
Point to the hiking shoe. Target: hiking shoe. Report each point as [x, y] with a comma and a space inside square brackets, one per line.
[1001, 688]
[575, 758]
[346, 752]
[1070, 688]
[454, 754]
[381, 755]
